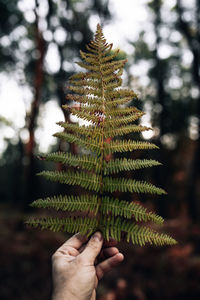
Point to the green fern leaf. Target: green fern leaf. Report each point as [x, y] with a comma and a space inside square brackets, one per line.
[96, 96]
[88, 131]
[123, 146]
[123, 120]
[85, 91]
[130, 185]
[72, 224]
[69, 203]
[115, 101]
[139, 235]
[120, 131]
[83, 161]
[128, 210]
[88, 143]
[84, 99]
[118, 165]
[122, 111]
[85, 180]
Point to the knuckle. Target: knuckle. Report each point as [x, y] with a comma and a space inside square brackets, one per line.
[93, 245]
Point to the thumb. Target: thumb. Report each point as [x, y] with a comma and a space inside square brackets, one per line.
[93, 248]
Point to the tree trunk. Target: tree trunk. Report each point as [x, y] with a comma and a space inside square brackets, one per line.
[161, 96]
[193, 39]
[38, 81]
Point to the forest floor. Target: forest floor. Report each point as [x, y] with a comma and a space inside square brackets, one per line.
[147, 273]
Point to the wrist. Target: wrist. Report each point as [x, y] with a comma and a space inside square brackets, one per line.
[67, 294]
[63, 294]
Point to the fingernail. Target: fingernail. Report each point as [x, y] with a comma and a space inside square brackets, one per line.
[98, 236]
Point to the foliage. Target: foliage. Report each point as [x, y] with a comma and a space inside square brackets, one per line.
[100, 98]
[173, 93]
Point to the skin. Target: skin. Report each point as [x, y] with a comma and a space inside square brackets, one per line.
[79, 264]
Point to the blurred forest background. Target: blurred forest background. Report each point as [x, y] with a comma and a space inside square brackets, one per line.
[164, 69]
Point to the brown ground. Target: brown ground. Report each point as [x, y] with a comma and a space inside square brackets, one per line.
[147, 273]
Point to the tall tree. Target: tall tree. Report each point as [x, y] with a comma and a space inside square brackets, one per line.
[171, 74]
[190, 29]
[28, 33]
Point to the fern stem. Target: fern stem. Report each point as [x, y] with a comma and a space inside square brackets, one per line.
[102, 126]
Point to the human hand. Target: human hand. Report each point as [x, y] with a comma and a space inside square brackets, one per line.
[77, 266]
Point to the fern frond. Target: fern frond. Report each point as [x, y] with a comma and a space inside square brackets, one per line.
[88, 57]
[110, 57]
[85, 91]
[113, 84]
[86, 83]
[139, 235]
[120, 93]
[88, 181]
[96, 96]
[90, 49]
[88, 110]
[123, 130]
[88, 143]
[123, 120]
[114, 76]
[118, 101]
[128, 210]
[84, 99]
[85, 75]
[87, 116]
[69, 203]
[127, 145]
[71, 224]
[82, 161]
[130, 185]
[87, 54]
[107, 70]
[124, 164]
[122, 111]
[113, 65]
[81, 75]
[88, 131]
[88, 67]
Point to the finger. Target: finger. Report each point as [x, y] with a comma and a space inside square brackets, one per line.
[105, 253]
[109, 243]
[108, 264]
[92, 248]
[111, 251]
[72, 244]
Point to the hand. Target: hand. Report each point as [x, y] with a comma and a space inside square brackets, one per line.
[77, 266]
